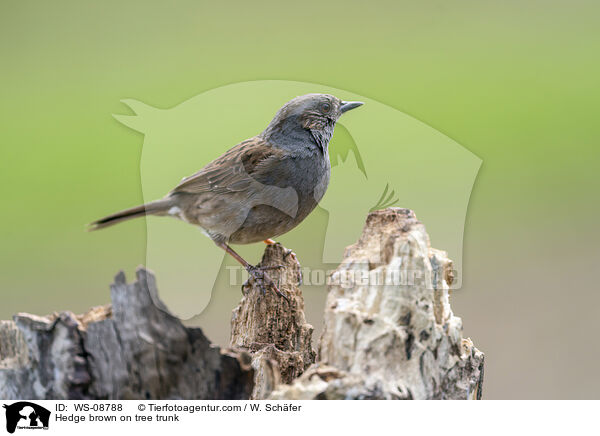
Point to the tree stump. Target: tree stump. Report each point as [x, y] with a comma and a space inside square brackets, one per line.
[134, 349]
[389, 330]
[389, 334]
[274, 330]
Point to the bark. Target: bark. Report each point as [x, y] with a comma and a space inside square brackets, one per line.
[389, 330]
[134, 349]
[274, 330]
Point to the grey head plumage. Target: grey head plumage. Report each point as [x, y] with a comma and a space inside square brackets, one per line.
[307, 121]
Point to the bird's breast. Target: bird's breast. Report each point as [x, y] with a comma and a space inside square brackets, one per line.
[309, 177]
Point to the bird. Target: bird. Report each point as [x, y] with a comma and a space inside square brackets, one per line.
[261, 188]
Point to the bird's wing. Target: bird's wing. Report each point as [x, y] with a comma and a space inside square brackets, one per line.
[234, 171]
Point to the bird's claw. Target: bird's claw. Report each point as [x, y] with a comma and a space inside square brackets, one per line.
[264, 281]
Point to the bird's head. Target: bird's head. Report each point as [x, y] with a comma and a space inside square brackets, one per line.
[310, 117]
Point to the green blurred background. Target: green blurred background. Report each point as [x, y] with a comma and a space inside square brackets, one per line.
[516, 83]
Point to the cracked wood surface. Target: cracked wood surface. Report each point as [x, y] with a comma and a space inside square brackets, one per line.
[274, 330]
[389, 329]
[389, 333]
[134, 349]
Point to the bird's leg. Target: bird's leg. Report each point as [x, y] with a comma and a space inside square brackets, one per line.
[257, 273]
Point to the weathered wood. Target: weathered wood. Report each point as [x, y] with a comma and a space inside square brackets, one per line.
[389, 330]
[389, 333]
[134, 349]
[272, 329]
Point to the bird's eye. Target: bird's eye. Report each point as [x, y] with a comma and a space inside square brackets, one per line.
[325, 107]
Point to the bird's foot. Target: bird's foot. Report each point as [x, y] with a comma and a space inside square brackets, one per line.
[263, 280]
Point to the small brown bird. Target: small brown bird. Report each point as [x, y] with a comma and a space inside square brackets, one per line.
[261, 188]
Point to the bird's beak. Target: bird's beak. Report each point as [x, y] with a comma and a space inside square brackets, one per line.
[347, 105]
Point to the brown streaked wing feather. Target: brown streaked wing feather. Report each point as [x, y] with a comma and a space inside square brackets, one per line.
[230, 172]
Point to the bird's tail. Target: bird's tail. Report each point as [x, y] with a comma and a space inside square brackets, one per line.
[158, 207]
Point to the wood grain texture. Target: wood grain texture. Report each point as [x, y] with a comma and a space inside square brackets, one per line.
[273, 330]
[134, 349]
[389, 329]
[389, 333]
